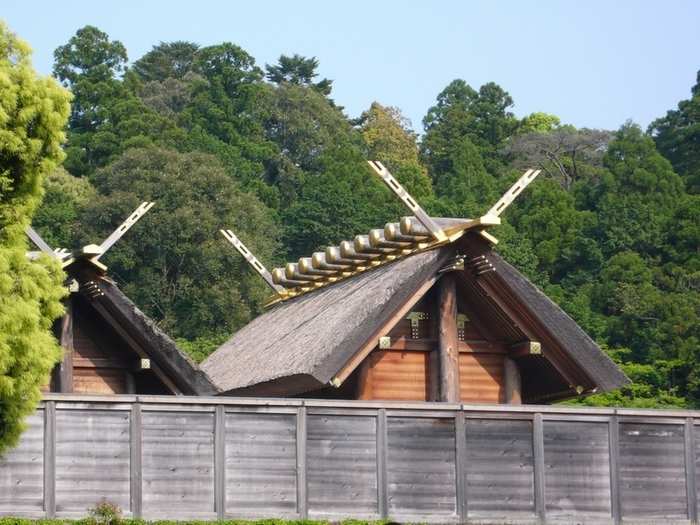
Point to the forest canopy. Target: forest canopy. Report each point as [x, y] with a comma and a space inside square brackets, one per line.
[610, 231]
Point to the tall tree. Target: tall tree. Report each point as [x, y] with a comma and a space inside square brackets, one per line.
[482, 116]
[389, 138]
[33, 113]
[107, 117]
[636, 199]
[166, 60]
[677, 137]
[298, 70]
[565, 154]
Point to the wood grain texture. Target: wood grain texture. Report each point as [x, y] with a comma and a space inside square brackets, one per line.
[500, 468]
[342, 464]
[652, 463]
[92, 459]
[696, 431]
[178, 463]
[260, 463]
[447, 339]
[481, 378]
[421, 466]
[397, 375]
[22, 470]
[66, 341]
[577, 469]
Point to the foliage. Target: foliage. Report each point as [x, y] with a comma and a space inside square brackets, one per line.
[610, 230]
[481, 116]
[166, 60]
[105, 513]
[33, 112]
[64, 198]
[300, 71]
[175, 266]
[389, 139]
[677, 136]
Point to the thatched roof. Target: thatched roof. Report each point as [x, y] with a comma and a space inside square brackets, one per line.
[301, 344]
[306, 340]
[141, 331]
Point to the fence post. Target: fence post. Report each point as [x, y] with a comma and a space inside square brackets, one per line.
[50, 459]
[538, 453]
[614, 443]
[691, 488]
[461, 465]
[302, 498]
[135, 462]
[382, 497]
[220, 462]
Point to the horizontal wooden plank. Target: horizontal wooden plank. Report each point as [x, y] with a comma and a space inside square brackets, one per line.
[92, 459]
[22, 470]
[260, 469]
[342, 464]
[178, 462]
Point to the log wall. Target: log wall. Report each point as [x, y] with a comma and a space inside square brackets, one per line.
[208, 458]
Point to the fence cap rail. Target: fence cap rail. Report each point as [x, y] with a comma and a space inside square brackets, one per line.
[391, 405]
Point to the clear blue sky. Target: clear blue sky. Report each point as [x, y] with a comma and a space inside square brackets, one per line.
[592, 63]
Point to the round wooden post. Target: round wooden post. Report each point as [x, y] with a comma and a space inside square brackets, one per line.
[512, 384]
[448, 341]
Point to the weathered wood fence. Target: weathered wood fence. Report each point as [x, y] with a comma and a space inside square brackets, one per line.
[208, 458]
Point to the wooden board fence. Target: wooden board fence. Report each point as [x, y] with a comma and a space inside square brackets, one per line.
[208, 458]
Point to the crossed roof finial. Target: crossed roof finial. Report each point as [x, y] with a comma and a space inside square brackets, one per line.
[410, 235]
[90, 252]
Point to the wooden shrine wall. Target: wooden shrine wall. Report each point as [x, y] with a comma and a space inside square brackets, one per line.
[402, 371]
[184, 458]
[102, 362]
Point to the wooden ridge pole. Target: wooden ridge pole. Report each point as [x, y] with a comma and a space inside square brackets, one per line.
[448, 340]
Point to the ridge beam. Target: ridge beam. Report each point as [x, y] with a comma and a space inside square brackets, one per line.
[250, 258]
[409, 201]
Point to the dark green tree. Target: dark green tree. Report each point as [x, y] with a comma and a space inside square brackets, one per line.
[300, 71]
[166, 60]
[677, 137]
[482, 116]
[635, 200]
[176, 266]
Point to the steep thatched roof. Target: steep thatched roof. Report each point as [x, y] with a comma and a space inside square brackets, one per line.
[140, 331]
[306, 340]
[301, 344]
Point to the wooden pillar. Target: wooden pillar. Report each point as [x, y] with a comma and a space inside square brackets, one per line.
[448, 340]
[65, 374]
[512, 384]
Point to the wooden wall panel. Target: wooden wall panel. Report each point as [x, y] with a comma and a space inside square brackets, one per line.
[342, 464]
[500, 468]
[92, 459]
[22, 470]
[260, 463]
[577, 468]
[421, 466]
[99, 381]
[481, 378]
[178, 463]
[396, 375]
[652, 471]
